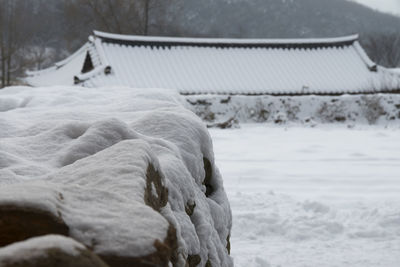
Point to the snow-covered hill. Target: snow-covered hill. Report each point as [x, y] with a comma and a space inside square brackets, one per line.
[387, 6]
[271, 18]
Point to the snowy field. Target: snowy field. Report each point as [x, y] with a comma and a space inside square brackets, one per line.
[325, 196]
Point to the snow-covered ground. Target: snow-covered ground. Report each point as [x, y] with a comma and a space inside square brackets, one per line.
[325, 196]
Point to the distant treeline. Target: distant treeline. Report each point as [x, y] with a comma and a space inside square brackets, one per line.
[35, 33]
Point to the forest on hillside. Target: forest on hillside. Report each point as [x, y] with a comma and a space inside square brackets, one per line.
[36, 33]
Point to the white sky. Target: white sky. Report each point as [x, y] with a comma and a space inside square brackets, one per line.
[390, 6]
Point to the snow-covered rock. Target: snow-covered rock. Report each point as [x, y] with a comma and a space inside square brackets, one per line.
[227, 111]
[49, 251]
[129, 173]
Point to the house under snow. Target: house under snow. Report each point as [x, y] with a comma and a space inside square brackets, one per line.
[222, 66]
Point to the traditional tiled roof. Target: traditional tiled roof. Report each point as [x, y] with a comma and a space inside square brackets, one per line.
[227, 66]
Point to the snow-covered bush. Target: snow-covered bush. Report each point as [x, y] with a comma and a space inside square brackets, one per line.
[332, 111]
[128, 173]
[372, 108]
[260, 113]
[308, 110]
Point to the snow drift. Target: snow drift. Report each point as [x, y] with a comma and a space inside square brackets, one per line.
[129, 173]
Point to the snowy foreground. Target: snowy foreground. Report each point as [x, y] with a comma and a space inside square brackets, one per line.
[326, 196]
[128, 173]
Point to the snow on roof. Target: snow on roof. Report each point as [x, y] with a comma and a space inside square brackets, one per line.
[62, 72]
[223, 41]
[231, 66]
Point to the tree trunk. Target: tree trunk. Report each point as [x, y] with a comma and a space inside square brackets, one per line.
[3, 66]
[146, 17]
[8, 83]
[10, 41]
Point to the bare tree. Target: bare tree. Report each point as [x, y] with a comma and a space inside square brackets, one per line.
[13, 35]
[117, 16]
[384, 48]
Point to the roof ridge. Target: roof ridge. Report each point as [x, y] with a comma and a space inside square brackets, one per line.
[232, 41]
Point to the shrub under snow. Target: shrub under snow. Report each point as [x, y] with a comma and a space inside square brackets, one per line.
[226, 111]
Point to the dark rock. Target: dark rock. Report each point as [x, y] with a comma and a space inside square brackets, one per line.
[189, 208]
[18, 224]
[228, 244]
[50, 257]
[208, 177]
[340, 118]
[193, 260]
[225, 101]
[153, 180]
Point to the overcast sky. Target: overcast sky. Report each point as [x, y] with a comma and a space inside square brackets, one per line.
[390, 6]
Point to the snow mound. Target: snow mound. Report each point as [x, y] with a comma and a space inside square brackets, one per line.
[129, 173]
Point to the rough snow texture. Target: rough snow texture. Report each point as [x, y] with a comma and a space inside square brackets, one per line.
[324, 196]
[351, 110]
[225, 66]
[85, 156]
